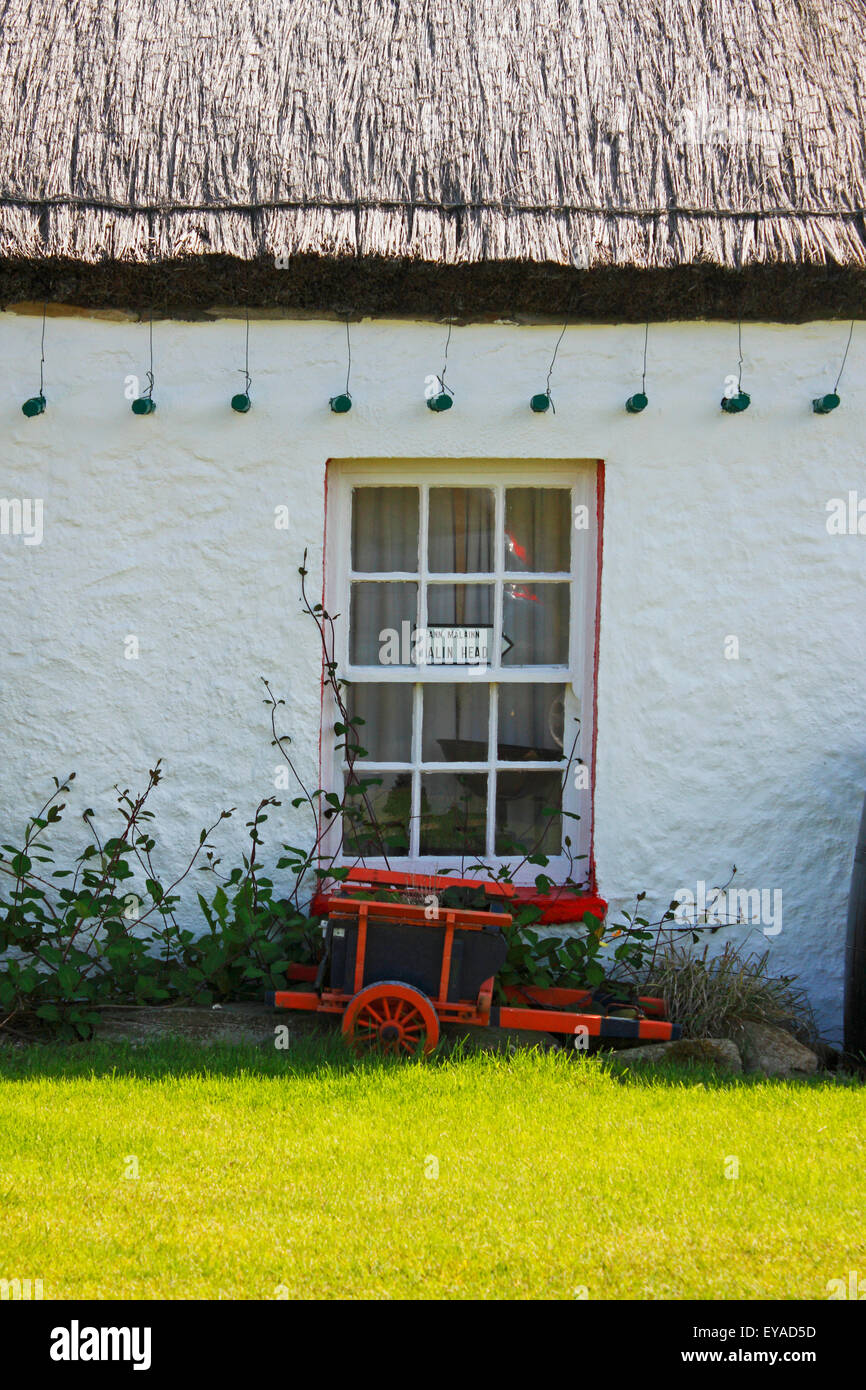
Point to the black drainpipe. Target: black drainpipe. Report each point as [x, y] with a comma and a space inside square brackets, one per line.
[855, 951]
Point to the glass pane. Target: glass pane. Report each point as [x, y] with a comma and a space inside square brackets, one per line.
[461, 530]
[453, 813]
[460, 604]
[538, 529]
[455, 723]
[531, 721]
[535, 621]
[385, 529]
[376, 632]
[387, 729]
[524, 801]
[376, 817]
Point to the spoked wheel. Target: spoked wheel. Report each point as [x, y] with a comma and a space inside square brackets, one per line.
[392, 1018]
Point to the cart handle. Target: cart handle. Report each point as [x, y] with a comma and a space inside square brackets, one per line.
[392, 879]
[468, 920]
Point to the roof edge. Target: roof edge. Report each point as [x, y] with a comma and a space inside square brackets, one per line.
[403, 288]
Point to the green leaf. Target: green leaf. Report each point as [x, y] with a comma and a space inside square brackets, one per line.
[594, 972]
[68, 977]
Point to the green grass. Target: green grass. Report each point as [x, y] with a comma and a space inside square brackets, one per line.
[303, 1174]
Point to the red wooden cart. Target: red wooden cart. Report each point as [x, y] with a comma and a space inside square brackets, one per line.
[396, 970]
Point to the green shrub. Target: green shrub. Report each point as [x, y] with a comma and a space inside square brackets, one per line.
[710, 996]
[104, 930]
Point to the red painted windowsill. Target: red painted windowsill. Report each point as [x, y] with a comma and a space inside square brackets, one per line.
[562, 905]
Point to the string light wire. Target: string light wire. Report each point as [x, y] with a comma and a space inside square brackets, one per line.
[638, 402]
[442, 385]
[844, 359]
[42, 359]
[149, 392]
[552, 363]
[348, 359]
[643, 376]
[246, 367]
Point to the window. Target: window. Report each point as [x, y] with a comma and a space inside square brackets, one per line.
[467, 600]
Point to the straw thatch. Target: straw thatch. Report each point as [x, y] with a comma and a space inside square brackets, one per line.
[403, 139]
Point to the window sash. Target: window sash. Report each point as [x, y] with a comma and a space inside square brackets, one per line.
[576, 673]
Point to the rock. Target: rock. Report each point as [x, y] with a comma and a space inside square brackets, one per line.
[234, 1023]
[719, 1052]
[773, 1051]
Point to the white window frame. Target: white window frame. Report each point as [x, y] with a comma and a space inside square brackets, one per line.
[578, 676]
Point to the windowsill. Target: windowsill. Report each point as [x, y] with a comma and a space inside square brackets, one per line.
[561, 905]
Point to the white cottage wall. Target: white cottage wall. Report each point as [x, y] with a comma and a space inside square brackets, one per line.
[715, 527]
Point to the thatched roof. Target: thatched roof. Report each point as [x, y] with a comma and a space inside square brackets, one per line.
[380, 144]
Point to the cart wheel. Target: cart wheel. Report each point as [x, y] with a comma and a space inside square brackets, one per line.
[393, 1017]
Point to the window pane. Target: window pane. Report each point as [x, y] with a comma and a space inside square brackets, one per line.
[524, 801]
[535, 620]
[530, 722]
[461, 530]
[385, 529]
[376, 634]
[453, 813]
[376, 818]
[460, 604]
[538, 529]
[387, 729]
[455, 723]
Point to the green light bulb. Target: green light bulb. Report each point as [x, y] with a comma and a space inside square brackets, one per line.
[35, 406]
[540, 403]
[241, 403]
[441, 402]
[340, 404]
[822, 405]
[635, 404]
[734, 405]
[144, 405]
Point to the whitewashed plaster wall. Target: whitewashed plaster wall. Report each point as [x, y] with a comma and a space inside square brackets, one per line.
[714, 526]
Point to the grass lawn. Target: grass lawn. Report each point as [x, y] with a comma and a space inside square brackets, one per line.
[304, 1174]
